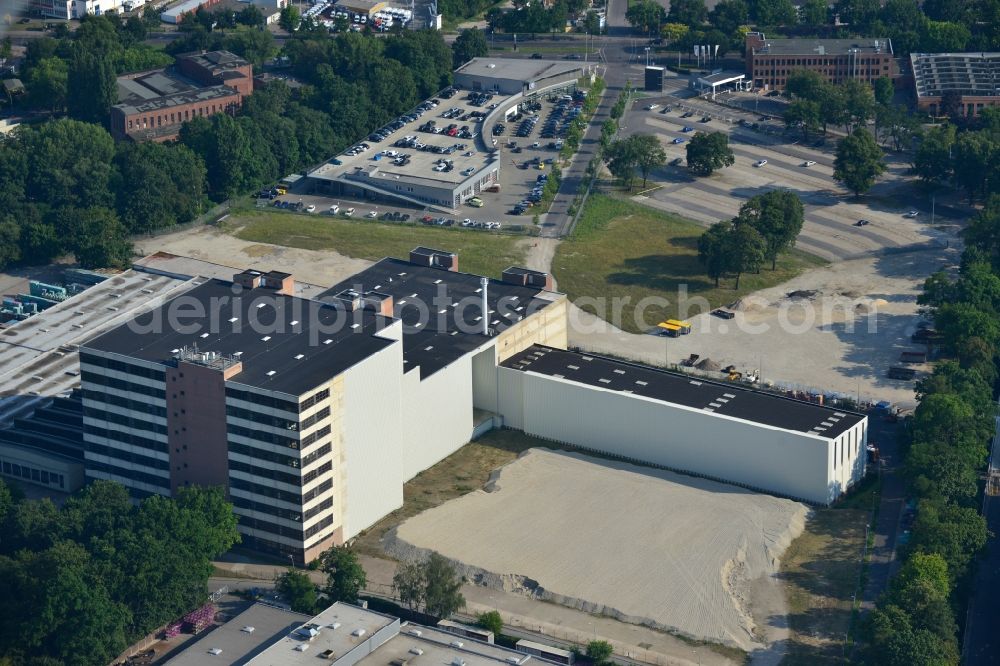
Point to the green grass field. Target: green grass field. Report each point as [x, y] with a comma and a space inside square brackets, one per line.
[478, 251]
[820, 573]
[621, 249]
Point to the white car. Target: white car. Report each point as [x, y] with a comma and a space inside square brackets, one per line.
[372, 214]
[310, 208]
[808, 163]
[349, 212]
[760, 163]
[652, 107]
[334, 209]
[912, 214]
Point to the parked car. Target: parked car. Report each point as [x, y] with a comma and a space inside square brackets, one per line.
[760, 163]
[862, 223]
[677, 161]
[911, 214]
[808, 163]
[475, 202]
[349, 212]
[311, 208]
[678, 140]
[687, 129]
[652, 107]
[372, 214]
[334, 209]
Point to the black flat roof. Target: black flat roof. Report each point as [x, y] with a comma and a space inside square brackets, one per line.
[288, 344]
[720, 398]
[442, 310]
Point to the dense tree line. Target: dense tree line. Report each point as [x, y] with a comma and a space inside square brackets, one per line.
[968, 158]
[78, 72]
[766, 226]
[78, 584]
[916, 621]
[66, 187]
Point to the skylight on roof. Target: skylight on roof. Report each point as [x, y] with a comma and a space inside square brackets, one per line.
[270, 373]
[265, 338]
[203, 336]
[233, 319]
[293, 322]
[299, 357]
[327, 341]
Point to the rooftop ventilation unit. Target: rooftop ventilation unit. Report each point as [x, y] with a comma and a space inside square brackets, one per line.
[359, 632]
[215, 652]
[247, 629]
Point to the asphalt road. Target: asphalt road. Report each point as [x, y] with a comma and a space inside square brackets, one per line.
[982, 644]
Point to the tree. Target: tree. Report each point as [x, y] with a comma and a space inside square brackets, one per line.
[599, 652]
[804, 114]
[778, 216]
[646, 15]
[713, 250]
[289, 18]
[470, 43]
[691, 13]
[47, 84]
[649, 154]
[442, 594]
[673, 32]
[298, 591]
[944, 36]
[932, 161]
[805, 84]
[160, 185]
[707, 152]
[746, 250]
[814, 13]
[10, 246]
[251, 16]
[92, 85]
[622, 159]
[409, 584]
[491, 621]
[773, 12]
[858, 162]
[859, 14]
[728, 15]
[975, 154]
[884, 90]
[345, 575]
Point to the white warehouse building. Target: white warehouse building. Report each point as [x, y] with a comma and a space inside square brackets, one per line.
[720, 431]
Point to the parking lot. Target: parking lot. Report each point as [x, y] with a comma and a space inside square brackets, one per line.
[446, 139]
[766, 160]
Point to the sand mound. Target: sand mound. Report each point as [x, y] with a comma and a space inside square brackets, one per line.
[708, 365]
[656, 548]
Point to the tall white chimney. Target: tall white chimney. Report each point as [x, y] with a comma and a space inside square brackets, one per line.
[485, 283]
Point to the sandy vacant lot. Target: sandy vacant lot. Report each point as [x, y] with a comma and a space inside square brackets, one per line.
[645, 546]
[836, 329]
[219, 246]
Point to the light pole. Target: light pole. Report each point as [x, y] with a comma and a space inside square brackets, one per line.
[647, 56]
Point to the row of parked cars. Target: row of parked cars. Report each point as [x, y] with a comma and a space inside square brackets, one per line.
[479, 98]
[463, 132]
[534, 197]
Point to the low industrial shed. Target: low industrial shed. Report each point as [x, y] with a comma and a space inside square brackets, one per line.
[722, 431]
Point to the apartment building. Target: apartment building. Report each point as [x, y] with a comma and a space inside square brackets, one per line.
[956, 83]
[771, 61]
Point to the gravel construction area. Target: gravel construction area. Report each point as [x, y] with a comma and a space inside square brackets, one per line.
[673, 552]
[836, 329]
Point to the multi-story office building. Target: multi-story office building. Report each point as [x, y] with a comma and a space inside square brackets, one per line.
[971, 80]
[771, 61]
[311, 413]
